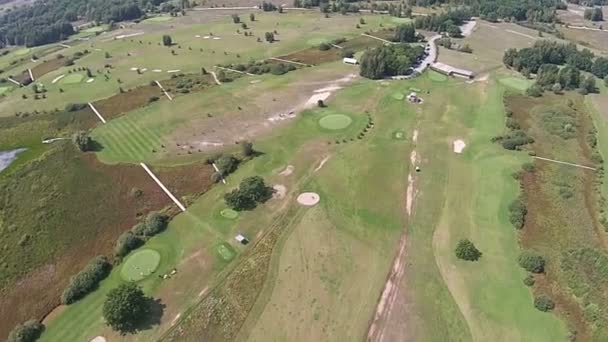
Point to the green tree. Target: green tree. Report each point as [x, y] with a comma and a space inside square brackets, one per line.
[466, 250]
[236, 19]
[569, 77]
[269, 36]
[405, 33]
[544, 303]
[251, 17]
[83, 141]
[125, 307]
[600, 67]
[247, 148]
[29, 331]
[226, 164]
[251, 191]
[588, 85]
[531, 262]
[547, 75]
[454, 31]
[594, 14]
[167, 40]
[534, 90]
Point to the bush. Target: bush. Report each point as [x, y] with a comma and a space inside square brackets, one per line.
[531, 262]
[347, 53]
[29, 331]
[535, 91]
[517, 213]
[529, 280]
[247, 148]
[83, 141]
[86, 280]
[515, 139]
[251, 191]
[324, 46]
[72, 107]
[528, 167]
[126, 243]
[544, 303]
[466, 250]
[226, 164]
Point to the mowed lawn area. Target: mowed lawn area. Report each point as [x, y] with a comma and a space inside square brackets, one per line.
[113, 61]
[466, 196]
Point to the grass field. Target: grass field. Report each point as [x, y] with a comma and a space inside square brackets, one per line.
[72, 79]
[140, 265]
[516, 83]
[160, 18]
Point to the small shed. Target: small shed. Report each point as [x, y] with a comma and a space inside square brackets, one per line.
[352, 61]
[240, 238]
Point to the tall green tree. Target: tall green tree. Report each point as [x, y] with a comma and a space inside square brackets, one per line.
[125, 307]
[167, 40]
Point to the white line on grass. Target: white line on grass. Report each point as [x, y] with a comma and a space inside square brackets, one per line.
[31, 74]
[240, 72]
[164, 91]
[565, 163]
[97, 113]
[380, 39]
[162, 186]
[14, 81]
[288, 61]
[217, 81]
[218, 171]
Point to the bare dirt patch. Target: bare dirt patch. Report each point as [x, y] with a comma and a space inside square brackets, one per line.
[132, 99]
[287, 170]
[279, 191]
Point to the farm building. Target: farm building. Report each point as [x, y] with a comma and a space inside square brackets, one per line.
[352, 61]
[451, 71]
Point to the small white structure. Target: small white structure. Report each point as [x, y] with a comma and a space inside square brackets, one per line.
[351, 61]
[413, 98]
[452, 71]
[240, 238]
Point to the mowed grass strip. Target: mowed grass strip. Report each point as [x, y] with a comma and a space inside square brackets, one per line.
[124, 140]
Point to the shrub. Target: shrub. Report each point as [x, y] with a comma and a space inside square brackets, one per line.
[83, 141]
[251, 191]
[531, 262]
[216, 177]
[72, 107]
[29, 331]
[226, 164]
[529, 280]
[535, 91]
[324, 46]
[126, 243]
[544, 303]
[247, 148]
[466, 250]
[528, 167]
[512, 124]
[153, 99]
[347, 53]
[86, 280]
[515, 139]
[517, 213]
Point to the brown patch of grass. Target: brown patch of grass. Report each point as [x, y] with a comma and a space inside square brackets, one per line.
[80, 208]
[313, 56]
[47, 66]
[562, 201]
[130, 100]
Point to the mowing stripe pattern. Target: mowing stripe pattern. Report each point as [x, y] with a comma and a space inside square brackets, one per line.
[125, 140]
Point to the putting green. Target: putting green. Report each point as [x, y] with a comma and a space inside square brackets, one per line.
[437, 77]
[225, 251]
[399, 135]
[140, 265]
[22, 51]
[160, 18]
[229, 213]
[72, 79]
[4, 90]
[335, 121]
[516, 82]
[398, 96]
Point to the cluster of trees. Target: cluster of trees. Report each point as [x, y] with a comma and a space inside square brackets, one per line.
[86, 280]
[153, 224]
[263, 67]
[531, 262]
[342, 6]
[447, 43]
[545, 56]
[268, 7]
[390, 60]
[406, 33]
[125, 307]
[83, 141]
[251, 191]
[517, 213]
[50, 21]
[448, 21]
[589, 3]
[466, 250]
[594, 14]
[29, 331]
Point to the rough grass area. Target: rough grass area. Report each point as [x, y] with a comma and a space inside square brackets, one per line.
[563, 207]
[516, 83]
[436, 76]
[44, 67]
[127, 101]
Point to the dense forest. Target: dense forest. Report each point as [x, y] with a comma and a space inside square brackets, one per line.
[49, 21]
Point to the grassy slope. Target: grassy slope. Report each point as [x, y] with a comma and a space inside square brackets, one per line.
[475, 189]
[331, 268]
[294, 29]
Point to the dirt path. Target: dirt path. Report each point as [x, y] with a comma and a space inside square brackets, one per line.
[392, 290]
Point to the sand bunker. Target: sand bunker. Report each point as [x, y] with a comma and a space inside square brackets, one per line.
[173, 71]
[308, 198]
[133, 69]
[279, 191]
[287, 171]
[326, 89]
[459, 146]
[98, 339]
[216, 38]
[90, 80]
[157, 70]
[56, 79]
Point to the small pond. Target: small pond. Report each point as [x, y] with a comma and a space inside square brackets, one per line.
[7, 157]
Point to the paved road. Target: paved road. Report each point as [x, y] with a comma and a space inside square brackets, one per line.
[431, 57]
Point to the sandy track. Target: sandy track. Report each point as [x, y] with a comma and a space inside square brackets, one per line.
[391, 291]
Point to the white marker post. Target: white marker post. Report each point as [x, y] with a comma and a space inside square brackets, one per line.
[97, 113]
[164, 91]
[162, 186]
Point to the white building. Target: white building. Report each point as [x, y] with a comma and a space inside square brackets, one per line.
[352, 61]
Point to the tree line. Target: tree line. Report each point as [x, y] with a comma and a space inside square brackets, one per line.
[50, 21]
[390, 60]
